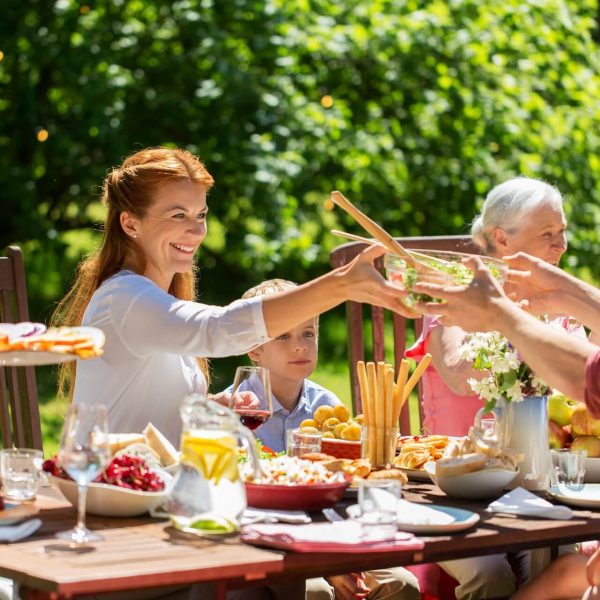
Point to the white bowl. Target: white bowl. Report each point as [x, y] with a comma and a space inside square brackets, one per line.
[485, 483]
[592, 470]
[112, 501]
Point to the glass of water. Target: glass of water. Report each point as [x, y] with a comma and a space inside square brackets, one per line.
[20, 469]
[83, 454]
[568, 468]
[300, 442]
[378, 502]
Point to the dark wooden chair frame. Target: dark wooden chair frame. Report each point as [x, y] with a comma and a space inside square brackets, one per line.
[342, 255]
[19, 411]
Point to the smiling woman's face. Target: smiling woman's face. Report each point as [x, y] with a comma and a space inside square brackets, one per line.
[541, 233]
[172, 229]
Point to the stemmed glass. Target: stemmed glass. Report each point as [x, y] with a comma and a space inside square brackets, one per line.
[253, 410]
[83, 454]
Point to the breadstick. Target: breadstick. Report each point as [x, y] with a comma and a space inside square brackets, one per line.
[400, 386]
[363, 384]
[372, 431]
[390, 429]
[380, 412]
[414, 378]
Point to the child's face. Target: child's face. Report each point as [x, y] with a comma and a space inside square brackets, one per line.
[292, 355]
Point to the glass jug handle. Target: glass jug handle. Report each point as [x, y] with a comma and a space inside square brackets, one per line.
[249, 441]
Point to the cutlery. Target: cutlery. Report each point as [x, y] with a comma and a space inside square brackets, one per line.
[378, 232]
[360, 238]
[332, 515]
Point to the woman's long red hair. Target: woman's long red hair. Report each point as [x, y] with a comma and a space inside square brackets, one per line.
[129, 188]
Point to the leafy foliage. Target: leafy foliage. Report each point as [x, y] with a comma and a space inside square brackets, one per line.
[413, 108]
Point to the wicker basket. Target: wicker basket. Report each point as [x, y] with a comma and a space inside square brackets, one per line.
[340, 448]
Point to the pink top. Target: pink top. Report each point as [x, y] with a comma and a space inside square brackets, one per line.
[445, 412]
[592, 384]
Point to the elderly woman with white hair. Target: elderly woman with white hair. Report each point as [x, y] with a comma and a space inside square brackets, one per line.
[519, 215]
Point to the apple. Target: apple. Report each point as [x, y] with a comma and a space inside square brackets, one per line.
[560, 408]
[558, 437]
[582, 423]
[589, 443]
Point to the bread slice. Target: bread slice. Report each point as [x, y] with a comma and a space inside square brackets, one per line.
[459, 465]
[118, 441]
[161, 445]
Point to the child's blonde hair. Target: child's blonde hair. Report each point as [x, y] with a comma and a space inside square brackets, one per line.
[268, 287]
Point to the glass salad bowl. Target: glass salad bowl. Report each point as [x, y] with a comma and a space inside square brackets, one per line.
[447, 268]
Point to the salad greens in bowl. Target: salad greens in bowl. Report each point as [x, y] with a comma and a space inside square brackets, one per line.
[446, 268]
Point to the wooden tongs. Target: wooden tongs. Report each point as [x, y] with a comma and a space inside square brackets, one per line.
[379, 233]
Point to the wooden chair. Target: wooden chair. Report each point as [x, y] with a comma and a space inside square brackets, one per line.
[342, 255]
[19, 411]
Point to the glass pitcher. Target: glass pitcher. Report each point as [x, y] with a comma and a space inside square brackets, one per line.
[208, 495]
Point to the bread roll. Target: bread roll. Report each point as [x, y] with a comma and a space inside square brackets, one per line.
[388, 474]
[459, 465]
[161, 445]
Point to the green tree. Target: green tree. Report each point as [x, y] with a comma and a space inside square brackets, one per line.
[413, 108]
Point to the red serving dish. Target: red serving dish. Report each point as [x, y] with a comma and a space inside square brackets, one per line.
[294, 497]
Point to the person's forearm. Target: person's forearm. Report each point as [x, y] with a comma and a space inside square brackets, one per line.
[555, 356]
[582, 301]
[284, 311]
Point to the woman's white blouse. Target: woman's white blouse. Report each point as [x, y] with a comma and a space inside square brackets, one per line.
[148, 364]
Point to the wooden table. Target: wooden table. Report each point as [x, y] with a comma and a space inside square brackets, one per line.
[141, 553]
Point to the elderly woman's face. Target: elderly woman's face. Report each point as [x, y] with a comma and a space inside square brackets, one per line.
[541, 233]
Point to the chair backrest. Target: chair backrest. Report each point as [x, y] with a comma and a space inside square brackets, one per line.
[342, 255]
[19, 411]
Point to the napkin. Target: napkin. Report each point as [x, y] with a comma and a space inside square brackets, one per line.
[14, 533]
[325, 537]
[521, 502]
[252, 515]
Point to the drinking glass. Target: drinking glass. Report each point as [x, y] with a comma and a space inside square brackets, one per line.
[20, 469]
[378, 502]
[252, 410]
[83, 454]
[568, 468]
[300, 442]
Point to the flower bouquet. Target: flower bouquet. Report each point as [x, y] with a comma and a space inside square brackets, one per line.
[508, 376]
[522, 410]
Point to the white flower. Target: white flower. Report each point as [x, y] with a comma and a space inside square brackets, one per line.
[492, 353]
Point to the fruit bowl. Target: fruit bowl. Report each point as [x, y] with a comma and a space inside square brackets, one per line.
[447, 268]
[110, 500]
[485, 483]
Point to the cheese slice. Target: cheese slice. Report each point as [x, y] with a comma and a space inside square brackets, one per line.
[118, 441]
[161, 445]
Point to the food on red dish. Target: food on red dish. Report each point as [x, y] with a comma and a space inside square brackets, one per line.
[287, 470]
[124, 471]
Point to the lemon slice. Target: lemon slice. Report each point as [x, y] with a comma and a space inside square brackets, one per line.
[213, 454]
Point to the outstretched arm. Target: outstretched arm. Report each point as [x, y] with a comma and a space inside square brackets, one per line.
[542, 288]
[359, 280]
[483, 306]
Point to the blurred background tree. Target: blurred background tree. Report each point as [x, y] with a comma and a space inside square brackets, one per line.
[413, 108]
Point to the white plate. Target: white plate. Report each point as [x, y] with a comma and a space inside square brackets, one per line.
[476, 485]
[589, 496]
[27, 358]
[110, 500]
[462, 519]
[592, 470]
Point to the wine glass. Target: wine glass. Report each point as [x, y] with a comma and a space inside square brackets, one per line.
[251, 396]
[83, 454]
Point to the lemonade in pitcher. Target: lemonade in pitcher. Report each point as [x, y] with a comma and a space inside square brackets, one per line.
[208, 495]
